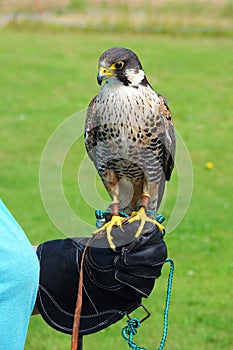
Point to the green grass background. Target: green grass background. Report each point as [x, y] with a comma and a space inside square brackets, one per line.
[48, 74]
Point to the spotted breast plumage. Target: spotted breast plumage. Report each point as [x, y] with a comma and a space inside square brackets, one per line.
[129, 135]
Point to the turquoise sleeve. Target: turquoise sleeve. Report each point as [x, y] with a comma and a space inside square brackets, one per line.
[19, 279]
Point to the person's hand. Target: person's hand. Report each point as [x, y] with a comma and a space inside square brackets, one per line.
[114, 281]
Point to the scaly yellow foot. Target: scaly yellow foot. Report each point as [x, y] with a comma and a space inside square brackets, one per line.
[116, 220]
[141, 215]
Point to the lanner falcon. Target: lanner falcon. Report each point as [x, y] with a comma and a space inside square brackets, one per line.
[129, 136]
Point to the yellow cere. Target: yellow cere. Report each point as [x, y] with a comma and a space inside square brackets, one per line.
[104, 70]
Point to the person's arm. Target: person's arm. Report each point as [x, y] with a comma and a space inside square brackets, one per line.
[19, 278]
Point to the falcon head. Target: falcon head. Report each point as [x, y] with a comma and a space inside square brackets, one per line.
[120, 65]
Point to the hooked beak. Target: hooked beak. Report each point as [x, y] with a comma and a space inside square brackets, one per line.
[103, 74]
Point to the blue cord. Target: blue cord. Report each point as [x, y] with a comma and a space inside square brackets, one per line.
[130, 330]
[167, 304]
[100, 216]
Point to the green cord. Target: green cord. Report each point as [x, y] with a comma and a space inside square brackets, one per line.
[101, 215]
[130, 330]
[167, 304]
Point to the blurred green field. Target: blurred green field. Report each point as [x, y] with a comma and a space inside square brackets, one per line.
[46, 76]
[140, 16]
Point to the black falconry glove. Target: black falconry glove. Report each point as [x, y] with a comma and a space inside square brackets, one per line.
[114, 281]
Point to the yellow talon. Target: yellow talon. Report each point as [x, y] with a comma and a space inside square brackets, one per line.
[116, 220]
[141, 215]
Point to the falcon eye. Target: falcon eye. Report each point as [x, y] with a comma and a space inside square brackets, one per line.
[118, 65]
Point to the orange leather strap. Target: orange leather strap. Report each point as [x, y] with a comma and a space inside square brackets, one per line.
[78, 307]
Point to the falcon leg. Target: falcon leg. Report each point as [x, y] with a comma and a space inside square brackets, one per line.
[141, 215]
[111, 183]
[116, 220]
